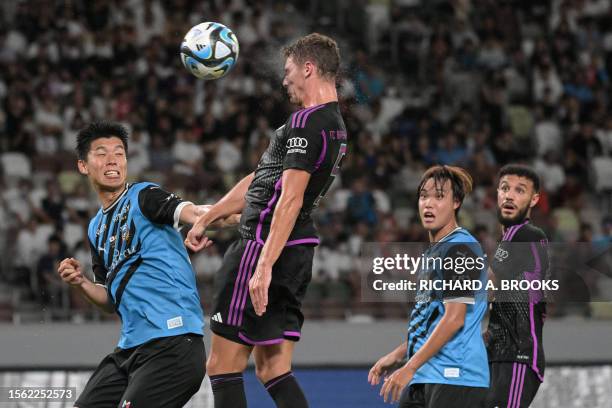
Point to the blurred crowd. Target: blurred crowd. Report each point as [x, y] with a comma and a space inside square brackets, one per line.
[475, 83]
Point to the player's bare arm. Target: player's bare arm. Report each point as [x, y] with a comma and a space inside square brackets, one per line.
[191, 212]
[232, 203]
[289, 205]
[70, 271]
[452, 321]
[387, 363]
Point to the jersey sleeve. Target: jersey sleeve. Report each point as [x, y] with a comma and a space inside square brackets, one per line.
[306, 148]
[460, 268]
[160, 206]
[97, 265]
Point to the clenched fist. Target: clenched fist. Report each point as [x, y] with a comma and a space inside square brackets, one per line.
[70, 271]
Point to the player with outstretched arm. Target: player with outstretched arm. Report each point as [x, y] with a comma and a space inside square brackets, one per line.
[142, 272]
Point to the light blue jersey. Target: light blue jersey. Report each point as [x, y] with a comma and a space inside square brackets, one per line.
[463, 360]
[141, 260]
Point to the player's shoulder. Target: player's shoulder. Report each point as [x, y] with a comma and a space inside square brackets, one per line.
[463, 241]
[315, 117]
[142, 185]
[529, 233]
[462, 235]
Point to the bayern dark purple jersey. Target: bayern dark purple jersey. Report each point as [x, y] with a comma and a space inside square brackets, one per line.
[517, 316]
[314, 140]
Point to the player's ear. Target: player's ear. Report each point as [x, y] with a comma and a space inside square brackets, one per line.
[308, 69]
[534, 200]
[82, 165]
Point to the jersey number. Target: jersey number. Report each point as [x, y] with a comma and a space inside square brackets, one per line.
[333, 174]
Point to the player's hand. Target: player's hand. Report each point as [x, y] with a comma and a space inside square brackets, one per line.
[258, 288]
[394, 384]
[381, 368]
[70, 272]
[196, 240]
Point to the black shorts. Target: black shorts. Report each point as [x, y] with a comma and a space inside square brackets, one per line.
[513, 385]
[442, 396]
[163, 372]
[234, 317]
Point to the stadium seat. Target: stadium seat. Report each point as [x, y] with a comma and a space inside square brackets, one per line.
[16, 165]
[602, 169]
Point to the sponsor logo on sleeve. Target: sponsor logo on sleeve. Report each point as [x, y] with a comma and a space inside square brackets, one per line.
[297, 145]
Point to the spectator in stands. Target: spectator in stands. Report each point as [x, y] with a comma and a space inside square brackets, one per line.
[52, 291]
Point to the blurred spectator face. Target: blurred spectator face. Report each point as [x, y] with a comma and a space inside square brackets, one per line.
[294, 81]
[106, 164]
[437, 205]
[515, 197]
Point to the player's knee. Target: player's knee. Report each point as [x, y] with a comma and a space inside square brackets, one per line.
[218, 364]
[265, 371]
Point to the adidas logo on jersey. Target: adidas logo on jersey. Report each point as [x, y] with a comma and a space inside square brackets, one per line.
[217, 318]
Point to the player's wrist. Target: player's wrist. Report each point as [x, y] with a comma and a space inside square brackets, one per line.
[410, 367]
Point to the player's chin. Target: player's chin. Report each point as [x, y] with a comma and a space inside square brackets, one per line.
[112, 184]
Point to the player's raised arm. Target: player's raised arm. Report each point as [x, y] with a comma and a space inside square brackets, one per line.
[232, 203]
[70, 271]
[190, 214]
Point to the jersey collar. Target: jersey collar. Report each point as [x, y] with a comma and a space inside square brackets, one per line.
[110, 207]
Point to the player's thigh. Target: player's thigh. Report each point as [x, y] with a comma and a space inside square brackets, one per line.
[273, 360]
[227, 356]
[169, 376]
[457, 396]
[413, 396]
[105, 386]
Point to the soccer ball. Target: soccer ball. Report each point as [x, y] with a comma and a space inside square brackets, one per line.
[209, 50]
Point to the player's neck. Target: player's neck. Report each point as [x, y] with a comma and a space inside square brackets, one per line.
[320, 93]
[520, 222]
[107, 198]
[436, 236]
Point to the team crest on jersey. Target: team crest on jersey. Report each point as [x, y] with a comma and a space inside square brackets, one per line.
[126, 404]
[125, 233]
[501, 254]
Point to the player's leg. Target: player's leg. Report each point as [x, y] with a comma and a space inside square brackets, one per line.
[106, 384]
[273, 369]
[229, 355]
[225, 365]
[526, 386]
[513, 385]
[165, 372]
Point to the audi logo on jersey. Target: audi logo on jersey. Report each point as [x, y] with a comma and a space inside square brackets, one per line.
[297, 142]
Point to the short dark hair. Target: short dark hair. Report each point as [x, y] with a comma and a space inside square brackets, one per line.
[520, 170]
[320, 49]
[96, 130]
[460, 179]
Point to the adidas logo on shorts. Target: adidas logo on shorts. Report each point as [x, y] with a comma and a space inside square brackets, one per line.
[217, 318]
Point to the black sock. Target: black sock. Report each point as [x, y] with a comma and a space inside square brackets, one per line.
[228, 390]
[286, 392]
